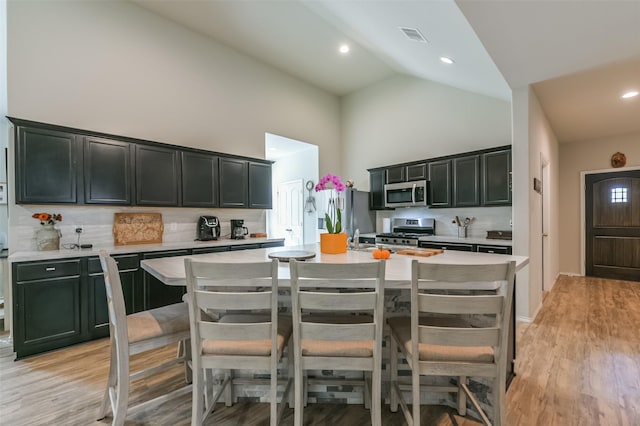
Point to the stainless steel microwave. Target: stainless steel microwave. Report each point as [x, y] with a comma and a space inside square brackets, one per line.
[407, 194]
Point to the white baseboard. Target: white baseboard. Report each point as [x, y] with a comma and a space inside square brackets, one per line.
[571, 274]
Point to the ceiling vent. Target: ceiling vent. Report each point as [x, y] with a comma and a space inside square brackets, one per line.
[414, 34]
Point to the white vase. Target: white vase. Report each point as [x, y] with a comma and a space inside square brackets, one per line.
[48, 238]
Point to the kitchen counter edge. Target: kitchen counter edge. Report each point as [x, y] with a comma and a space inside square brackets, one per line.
[27, 256]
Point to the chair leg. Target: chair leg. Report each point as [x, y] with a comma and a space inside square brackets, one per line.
[274, 396]
[106, 405]
[393, 366]
[499, 391]
[462, 396]
[376, 395]
[186, 356]
[290, 359]
[122, 387]
[367, 389]
[197, 399]
[415, 394]
[305, 388]
[299, 386]
[228, 391]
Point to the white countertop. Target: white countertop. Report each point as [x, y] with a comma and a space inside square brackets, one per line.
[26, 256]
[170, 270]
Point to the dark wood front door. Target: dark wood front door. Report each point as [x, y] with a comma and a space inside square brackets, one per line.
[612, 213]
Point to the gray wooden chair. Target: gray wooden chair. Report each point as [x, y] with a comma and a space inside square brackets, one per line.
[325, 340]
[453, 345]
[133, 334]
[241, 339]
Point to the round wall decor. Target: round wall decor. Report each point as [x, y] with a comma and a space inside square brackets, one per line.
[618, 160]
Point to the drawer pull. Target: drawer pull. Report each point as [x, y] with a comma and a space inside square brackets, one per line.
[50, 268]
[490, 251]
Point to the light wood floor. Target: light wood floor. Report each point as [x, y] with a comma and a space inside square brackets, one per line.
[578, 364]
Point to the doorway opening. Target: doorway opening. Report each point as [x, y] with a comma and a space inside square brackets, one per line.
[295, 164]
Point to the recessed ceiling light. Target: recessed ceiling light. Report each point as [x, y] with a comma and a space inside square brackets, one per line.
[447, 60]
[344, 49]
[630, 94]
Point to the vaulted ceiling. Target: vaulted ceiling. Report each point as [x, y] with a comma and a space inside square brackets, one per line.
[579, 56]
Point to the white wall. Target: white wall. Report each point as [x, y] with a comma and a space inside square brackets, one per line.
[578, 157]
[114, 67]
[532, 139]
[403, 119]
[300, 164]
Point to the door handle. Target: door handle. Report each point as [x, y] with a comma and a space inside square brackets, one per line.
[288, 229]
[545, 235]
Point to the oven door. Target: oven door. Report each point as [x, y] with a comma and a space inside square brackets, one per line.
[406, 194]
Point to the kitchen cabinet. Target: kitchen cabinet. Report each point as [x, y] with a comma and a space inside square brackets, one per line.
[483, 248]
[406, 173]
[158, 179]
[377, 178]
[199, 179]
[108, 171]
[157, 294]
[234, 183]
[396, 174]
[466, 181]
[47, 164]
[204, 250]
[260, 186]
[98, 315]
[447, 246]
[496, 178]
[272, 244]
[48, 306]
[244, 247]
[440, 186]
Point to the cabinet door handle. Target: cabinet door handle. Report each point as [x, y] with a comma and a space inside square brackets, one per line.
[490, 251]
[50, 268]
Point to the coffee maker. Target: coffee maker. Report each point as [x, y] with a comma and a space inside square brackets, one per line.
[208, 228]
[238, 230]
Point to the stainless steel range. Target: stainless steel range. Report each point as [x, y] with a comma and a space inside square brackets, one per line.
[406, 232]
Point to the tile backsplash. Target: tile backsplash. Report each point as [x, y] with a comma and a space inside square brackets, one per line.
[97, 223]
[484, 219]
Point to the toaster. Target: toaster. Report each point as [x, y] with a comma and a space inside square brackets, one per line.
[208, 228]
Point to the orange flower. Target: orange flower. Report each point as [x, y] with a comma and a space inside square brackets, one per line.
[47, 218]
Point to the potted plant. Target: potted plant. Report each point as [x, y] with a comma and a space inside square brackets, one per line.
[48, 237]
[334, 241]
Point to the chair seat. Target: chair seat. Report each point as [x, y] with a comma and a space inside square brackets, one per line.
[158, 322]
[401, 327]
[337, 348]
[260, 347]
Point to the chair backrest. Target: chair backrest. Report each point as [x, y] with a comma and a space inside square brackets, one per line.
[497, 305]
[314, 289]
[115, 300]
[222, 287]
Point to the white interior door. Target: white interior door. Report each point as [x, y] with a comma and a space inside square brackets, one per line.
[290, 212]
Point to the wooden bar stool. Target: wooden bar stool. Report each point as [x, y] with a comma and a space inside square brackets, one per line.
[133, 334]
[434, 348]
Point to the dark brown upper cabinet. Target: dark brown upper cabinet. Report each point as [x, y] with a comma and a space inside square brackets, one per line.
[440, 186]
[377, 179]
[234, 188]
[199, 180]
[108, 171]
[47, 164]
[260, 186]
[157, 176]
[466, 181]
[496, 178]
[406, 173]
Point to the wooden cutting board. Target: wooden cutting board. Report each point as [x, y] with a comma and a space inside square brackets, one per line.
[426, 252]
[137, 228]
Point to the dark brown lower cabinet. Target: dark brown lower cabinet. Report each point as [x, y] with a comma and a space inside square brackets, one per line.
[47, 306]
[98, 316]
[157, 294]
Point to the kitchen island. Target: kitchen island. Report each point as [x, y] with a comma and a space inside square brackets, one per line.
[171, 272]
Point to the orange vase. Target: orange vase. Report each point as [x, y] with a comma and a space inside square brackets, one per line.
[333, 243]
